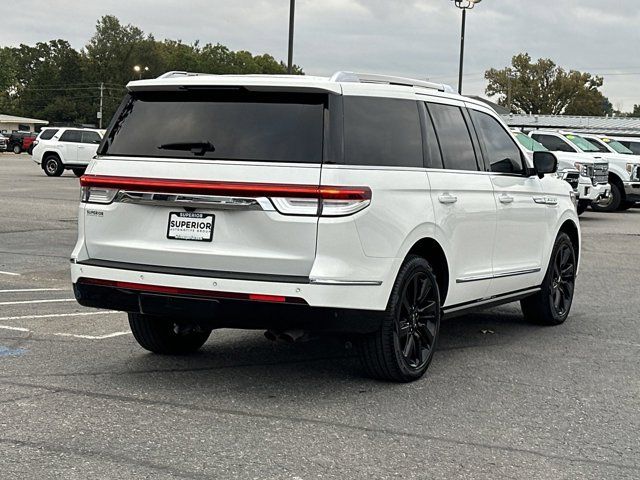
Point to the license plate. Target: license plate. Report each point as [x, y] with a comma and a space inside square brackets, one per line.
[197, 227]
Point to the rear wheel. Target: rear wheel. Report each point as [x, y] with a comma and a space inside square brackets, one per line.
[52, 166]
[612, 203]
[166, 336]
[17, 149]
[551, 305]
[78, 172]
[402, 349]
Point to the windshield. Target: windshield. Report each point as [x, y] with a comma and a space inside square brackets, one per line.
[581, 143]
[220, 124]
[617, 146]
[529, 143]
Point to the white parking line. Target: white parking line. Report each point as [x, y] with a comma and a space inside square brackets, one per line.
[17, 290]
[19, 329]
[93, 337]
[9, 273]
[22, 302]
[56, 315]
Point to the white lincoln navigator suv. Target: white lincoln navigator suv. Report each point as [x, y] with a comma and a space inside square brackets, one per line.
[360, 204]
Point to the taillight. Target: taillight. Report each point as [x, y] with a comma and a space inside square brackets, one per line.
[306, 200]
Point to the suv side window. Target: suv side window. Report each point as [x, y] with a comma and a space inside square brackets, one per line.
[499, 147]
[455, 140]
[553, 143]
[71, 136]
[48, 133]
[382, 132]
[91, 137]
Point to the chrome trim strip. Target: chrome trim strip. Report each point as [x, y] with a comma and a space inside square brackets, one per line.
[193, 201]
[322, 281]
[513, 273]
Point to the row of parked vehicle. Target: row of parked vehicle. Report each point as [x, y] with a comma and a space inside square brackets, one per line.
[17, 142]
[604, 171]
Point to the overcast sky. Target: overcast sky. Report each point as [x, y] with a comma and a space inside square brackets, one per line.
[417, 38]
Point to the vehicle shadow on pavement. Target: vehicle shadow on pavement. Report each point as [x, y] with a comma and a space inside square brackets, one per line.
[239, 359]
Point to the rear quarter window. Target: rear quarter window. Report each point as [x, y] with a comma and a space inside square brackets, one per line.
[237, 124]
[382, 132]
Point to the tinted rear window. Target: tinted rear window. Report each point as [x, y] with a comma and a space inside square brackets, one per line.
[455, 140]
[382, 132]
[239, 125]
[48, 133]
[71, 136]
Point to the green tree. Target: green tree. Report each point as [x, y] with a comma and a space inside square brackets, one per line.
[545, 88]
[635, 112]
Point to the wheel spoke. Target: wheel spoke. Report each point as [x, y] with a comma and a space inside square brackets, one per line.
[408, 347]
[424, 291]
[428, 310]
[426, 333]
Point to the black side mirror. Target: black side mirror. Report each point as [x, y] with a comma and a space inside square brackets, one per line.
[544, 162]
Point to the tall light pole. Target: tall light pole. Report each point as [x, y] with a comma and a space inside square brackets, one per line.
[464, 5]
[292, 11]
[138, 69]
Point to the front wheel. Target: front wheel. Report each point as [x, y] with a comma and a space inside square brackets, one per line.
[17, 149]
[52, 166]
[164, 335]
[551, 305]
[402, 349]
[612, 203]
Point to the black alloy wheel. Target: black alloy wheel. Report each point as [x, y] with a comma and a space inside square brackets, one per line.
[551, 305]
[403, 347]
[416, 323]
[563, 280]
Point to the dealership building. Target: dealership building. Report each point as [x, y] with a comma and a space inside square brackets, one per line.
[11, 123]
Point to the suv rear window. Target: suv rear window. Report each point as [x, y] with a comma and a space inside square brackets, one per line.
[220, 124]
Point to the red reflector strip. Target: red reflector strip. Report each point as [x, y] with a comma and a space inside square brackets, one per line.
[202, 187]
[140, 287]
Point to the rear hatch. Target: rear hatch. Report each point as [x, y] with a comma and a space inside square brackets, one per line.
[217, 179]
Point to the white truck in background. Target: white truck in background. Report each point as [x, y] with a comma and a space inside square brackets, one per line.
[624, 172]
[593, 182]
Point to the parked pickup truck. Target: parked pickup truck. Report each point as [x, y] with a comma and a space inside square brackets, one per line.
[624, 172]
[593, 186]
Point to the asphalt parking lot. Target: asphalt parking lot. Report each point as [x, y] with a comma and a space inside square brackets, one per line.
[503, 399]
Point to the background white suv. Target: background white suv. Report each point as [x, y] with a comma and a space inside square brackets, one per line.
[357, 203]
[59, 149]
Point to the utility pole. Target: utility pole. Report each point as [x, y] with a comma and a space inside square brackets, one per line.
[292, 9]
[509, 89]
[101, 101]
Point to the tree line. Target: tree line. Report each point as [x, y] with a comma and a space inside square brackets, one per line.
[53, 81]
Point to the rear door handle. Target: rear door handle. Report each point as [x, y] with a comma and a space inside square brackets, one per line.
[447, 198]
[504, 198]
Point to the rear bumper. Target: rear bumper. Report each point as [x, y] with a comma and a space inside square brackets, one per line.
[632, 191]
[227, 312]
[212, 288]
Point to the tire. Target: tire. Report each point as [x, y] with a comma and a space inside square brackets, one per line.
[552, 304]
[78, 172]
[582, 207]
[158, 335]
[402, 349]
[613, 203]
[52, 166]
[17, 149]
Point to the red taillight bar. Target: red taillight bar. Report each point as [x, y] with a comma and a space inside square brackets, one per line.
[141, 287]
[204, 187]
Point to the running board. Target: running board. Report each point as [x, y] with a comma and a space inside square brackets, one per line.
[468, 307]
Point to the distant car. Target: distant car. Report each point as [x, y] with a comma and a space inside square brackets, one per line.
[631, 143]
[17, 141]
[3, 143]
[60, 149]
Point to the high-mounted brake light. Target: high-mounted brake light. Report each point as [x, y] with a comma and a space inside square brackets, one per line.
[289, 199]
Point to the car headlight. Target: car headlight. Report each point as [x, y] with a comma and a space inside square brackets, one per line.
[584, 169]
